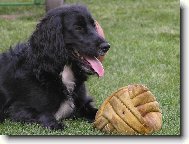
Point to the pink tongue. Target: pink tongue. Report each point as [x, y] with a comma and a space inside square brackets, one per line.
[96, 65]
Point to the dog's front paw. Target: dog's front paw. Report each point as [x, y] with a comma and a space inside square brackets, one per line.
[55, 126]
[90, 115]
[47, 120]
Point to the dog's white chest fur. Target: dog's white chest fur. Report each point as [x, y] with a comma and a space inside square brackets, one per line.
[66, 107]
[68, 78]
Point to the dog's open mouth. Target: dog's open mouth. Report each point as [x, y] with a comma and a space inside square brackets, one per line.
[90, 64]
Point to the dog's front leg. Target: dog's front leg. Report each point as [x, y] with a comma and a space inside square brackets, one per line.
[84, 105]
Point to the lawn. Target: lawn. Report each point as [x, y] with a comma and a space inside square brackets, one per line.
[145, 49]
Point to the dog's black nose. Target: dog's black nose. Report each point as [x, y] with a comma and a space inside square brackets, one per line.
[104, 47]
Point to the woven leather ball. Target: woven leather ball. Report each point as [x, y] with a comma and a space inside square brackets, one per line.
[130, 110]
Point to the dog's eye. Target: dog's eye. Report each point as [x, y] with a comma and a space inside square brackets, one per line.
[78, 28]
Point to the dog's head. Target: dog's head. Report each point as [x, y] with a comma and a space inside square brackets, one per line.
[70, 34]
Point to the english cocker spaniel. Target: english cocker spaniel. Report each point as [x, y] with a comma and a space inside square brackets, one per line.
[42, 80]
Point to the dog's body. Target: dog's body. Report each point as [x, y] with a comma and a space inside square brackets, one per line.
[42, 80]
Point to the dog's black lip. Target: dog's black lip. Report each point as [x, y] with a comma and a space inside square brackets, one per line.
[82, 56]
[102, 54]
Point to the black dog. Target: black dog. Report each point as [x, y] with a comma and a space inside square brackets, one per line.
[42, 80]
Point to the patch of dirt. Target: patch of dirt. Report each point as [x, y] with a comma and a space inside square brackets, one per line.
[9, 17]
[13, 16]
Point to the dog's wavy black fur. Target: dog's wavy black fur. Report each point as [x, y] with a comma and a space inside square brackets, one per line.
[31, 87]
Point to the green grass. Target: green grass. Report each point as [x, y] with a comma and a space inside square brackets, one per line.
[145, 49]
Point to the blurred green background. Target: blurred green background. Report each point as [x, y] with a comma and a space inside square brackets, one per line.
[145, 49]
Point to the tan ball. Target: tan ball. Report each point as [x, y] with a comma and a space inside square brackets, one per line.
[130, 110]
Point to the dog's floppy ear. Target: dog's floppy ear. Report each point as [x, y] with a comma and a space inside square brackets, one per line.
[47, 40]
